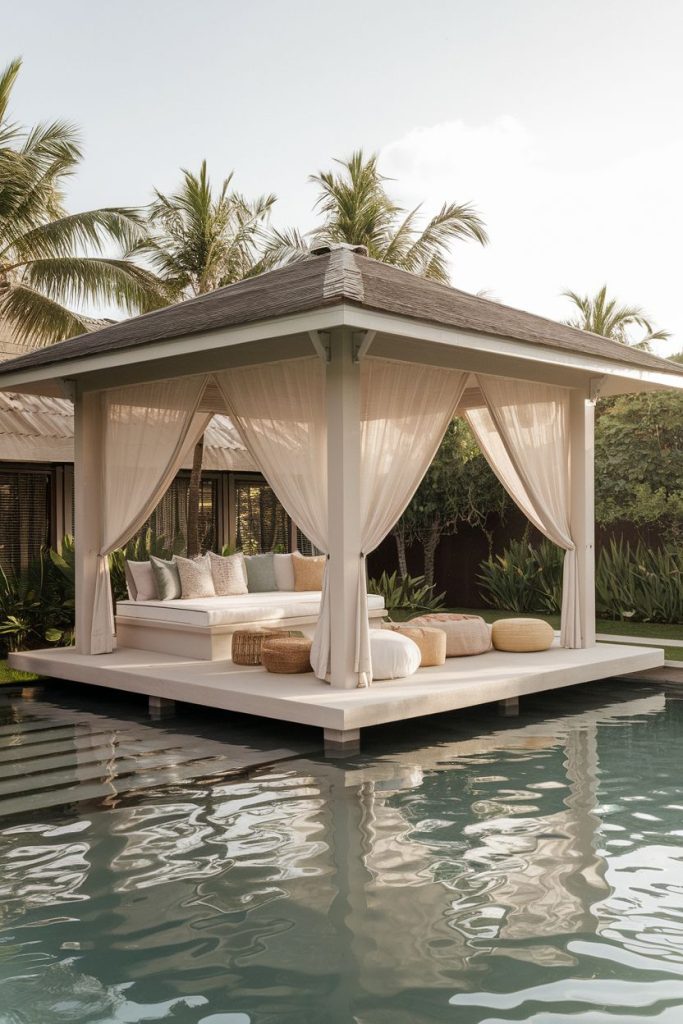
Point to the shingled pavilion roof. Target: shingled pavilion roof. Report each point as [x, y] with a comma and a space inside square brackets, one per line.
[334, 276]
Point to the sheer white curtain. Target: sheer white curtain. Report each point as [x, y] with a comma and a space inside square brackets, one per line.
[280, 412]
[405, 410]
[524, 433]
[146, 431]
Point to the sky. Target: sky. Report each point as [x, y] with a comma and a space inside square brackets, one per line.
[560, 120]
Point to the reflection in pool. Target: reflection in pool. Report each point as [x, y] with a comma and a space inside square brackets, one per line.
[460, 870]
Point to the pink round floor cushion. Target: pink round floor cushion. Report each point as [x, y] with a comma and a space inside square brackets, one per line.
[465, 634]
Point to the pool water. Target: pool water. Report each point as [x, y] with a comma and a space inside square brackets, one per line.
[464, 868]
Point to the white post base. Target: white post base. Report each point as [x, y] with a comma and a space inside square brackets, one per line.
[508, 708]
[160, 707]
[341, 742]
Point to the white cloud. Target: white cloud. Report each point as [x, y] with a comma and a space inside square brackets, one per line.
[556, 220]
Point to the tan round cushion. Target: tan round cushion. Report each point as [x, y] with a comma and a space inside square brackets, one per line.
[432, 643]
[465, 634]
[286, 654]
[522, 635]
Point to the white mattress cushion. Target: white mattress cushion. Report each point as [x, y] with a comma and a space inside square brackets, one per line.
[394, 656]
[225, 611]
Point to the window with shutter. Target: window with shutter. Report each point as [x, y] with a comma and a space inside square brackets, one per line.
[25, 503]
[169, 518]
[261, 523]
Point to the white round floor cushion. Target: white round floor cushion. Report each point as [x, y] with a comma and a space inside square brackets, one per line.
[394, 656]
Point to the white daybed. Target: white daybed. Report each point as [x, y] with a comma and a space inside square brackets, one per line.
[202, 627]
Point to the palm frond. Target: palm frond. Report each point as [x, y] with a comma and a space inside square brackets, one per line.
[79, 280]
[90, 229]
[285, 245]
[8, 77]
[37, 319]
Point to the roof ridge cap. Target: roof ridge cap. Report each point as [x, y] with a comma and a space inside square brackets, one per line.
[343, 277]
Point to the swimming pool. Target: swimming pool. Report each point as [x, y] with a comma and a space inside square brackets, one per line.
[465, 869]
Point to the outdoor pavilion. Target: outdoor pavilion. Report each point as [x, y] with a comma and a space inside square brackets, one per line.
[341, 374]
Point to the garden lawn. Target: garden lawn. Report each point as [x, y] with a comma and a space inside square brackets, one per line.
[10, 675]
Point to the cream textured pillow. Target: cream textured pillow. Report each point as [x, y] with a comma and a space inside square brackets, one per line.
[228, 574]
[284, 572]
[195, 577]
[308, 571]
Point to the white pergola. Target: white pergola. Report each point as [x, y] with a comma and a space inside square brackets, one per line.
[347, 310]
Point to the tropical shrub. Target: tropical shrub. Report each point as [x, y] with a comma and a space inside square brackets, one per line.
[36, 608]
[639, 582]
[524, 578]
[636, 582]
[407, 593]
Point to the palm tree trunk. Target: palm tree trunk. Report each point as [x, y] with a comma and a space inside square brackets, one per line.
[400, 538]
[430, 546]
[193, 499]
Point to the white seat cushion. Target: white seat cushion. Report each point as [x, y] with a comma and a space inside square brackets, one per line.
[226, 611]
[394, 656]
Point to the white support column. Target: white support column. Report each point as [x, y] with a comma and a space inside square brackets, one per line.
[582, 520]
[88, 469]
[343, 495]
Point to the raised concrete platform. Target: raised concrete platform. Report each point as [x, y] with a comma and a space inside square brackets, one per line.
[460, 683]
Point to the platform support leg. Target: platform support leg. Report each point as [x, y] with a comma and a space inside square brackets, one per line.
[342, 742]
[160, 707]
[508, 708]
[32, 692]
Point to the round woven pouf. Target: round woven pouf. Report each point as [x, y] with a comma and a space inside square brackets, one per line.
[465, 634]
[247, 644]
[432, 643]
[522, 636]
[286, 654]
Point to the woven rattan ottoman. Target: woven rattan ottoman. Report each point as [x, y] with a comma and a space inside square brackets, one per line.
[247, 643]
[286, 654]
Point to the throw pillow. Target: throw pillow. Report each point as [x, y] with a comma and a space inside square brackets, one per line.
[140, 580]
[260, 573]
[228, 574]
[284, 572]
[196, 579]
[308, 571]
[166, 578]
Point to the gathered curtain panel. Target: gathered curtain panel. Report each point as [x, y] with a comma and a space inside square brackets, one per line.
[147, 430]
[523, 431]
[280, 412]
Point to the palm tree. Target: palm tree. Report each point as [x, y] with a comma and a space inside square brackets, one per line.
[52, 261]
[199, 240]
[603, 315]
[358, 210]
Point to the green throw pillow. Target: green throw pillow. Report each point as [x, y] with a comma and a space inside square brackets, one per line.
[260, 573]
[167, 578]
